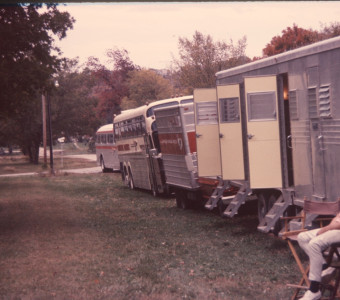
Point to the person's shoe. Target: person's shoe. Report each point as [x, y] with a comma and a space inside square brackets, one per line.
[327, 271]
[311, 296]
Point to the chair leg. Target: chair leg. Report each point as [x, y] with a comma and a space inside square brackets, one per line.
[336, 286]
[304, 272]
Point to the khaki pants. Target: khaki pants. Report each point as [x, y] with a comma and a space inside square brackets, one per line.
[313, 245]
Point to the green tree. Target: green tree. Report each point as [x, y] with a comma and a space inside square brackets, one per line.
[73, 103]
[28, 59]
[201, 57]
[146, 86]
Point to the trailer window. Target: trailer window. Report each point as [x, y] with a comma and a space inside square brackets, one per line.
[312, 105]
[229, 110]
[293, 105]
[261, 106]
[313, 76]
[206, 113]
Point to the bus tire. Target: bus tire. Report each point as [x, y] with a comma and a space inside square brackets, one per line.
[102, 165]
[130, 180]
[125, 176]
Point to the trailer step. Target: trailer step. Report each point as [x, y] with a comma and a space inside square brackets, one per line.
[217, 194]
[238, 200]
[273, 215]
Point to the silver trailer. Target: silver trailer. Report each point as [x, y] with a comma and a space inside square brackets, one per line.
[286, 108]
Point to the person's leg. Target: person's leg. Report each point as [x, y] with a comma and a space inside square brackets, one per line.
[315, 248]
[305, 237]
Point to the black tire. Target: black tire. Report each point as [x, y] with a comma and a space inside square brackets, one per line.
[126, 177]
[102, 165]
[181, 200]
[131, 183]
[221, 208]
[262, 206]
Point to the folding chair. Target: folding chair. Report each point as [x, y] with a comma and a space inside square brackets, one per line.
[309, 208]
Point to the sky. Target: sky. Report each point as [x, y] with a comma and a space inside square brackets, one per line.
[150, 31]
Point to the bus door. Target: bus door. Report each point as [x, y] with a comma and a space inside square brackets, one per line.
[207, 133]
[230, 129]
[263, 132]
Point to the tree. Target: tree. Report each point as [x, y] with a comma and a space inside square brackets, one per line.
[201, 57]
[26, 67]
[330, 31]
[146, 86]
[292, 38]
[111, 85]
[73, 103]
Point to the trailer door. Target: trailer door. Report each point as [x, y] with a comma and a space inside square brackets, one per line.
[230, 132]
[263, 132]
[207, 134]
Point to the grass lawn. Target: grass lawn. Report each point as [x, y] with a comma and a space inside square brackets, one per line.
[18, 163]
[89, 237]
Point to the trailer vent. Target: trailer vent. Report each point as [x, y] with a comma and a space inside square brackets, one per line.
[293, 106]
[313, 111]
[229, 108]
[324, 101]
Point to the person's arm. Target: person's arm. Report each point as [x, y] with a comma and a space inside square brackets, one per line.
[335, 224]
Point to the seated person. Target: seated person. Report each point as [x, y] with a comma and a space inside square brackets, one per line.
[313, 242]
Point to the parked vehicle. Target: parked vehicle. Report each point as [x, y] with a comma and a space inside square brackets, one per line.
[273, 128]
[106, 150]
[138, 146]
[177, 140]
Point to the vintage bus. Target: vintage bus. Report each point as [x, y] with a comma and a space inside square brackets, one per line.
[106, 150]
[136, 136]
[273, 126]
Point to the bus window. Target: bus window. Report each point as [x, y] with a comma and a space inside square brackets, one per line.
[138, 129]
[110, 138]
[103, 138]
[117, 131]
[143, 127]
[98, 138]
[150, 112]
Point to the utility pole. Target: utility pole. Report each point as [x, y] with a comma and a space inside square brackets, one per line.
[50, 131]
[43, 100]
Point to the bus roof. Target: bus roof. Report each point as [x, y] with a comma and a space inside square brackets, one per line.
[141, 110]
[105, 128]
[315, 48]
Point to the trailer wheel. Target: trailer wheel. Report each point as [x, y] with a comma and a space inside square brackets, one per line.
[273, 197]
[181, 200]
[262, 206]
[221, 208]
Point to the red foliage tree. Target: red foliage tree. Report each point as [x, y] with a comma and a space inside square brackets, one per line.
[112, 85]
[291, 38]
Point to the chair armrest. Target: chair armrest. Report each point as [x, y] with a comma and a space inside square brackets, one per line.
[291, 234]
[290, 218]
